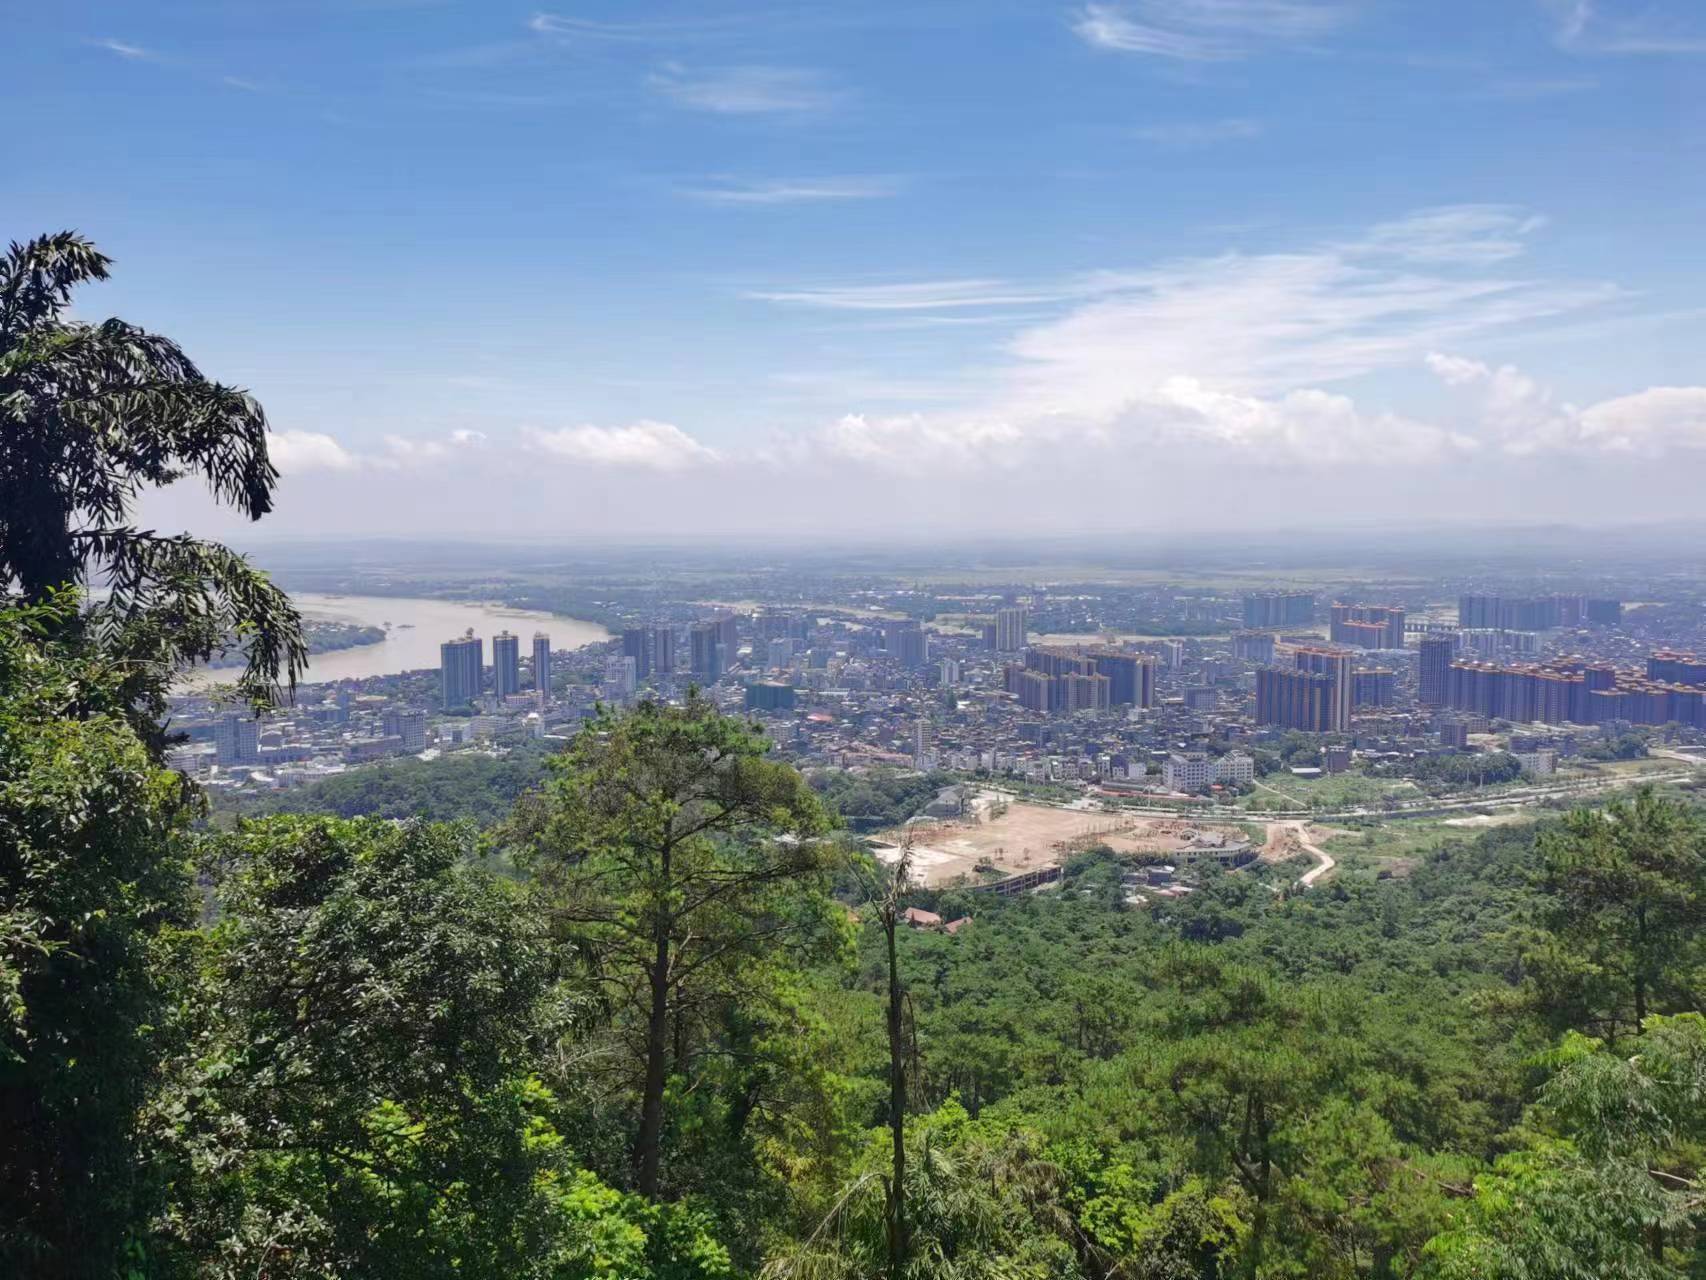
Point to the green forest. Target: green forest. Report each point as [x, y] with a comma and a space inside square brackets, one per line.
[655, 1015]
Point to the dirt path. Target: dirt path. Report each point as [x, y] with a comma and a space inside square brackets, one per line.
[1283, 836]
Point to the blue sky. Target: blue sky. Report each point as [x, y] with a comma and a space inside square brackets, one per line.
[1008, 264]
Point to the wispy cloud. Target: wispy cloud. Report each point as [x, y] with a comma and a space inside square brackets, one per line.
[645, 445]
[1238, 352]
[574, 28]
[1662, 27]
[1464, 233]
[1207, 30]
[927, 295]
[748, 90]
[775, 191]
[1184, 134]
[135, 52]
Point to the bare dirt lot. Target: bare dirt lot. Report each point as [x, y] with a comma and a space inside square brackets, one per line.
[1022, 837]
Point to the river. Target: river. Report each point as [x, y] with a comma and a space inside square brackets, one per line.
[413, 631]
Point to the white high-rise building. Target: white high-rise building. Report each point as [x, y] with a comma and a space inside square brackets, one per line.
[461, 670]
[621, 677]
[1012, 627]
[506, 664]
[542, 663]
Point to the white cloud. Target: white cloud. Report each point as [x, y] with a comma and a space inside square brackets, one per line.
[1198, 133]
[1207, 30]
[652, 446]
[1477, 234]
[1526, 418]
[123, 50]
[586, 30]
[774, 191]
[294, 452]
[926, 295]
[748, 90]
[1234, 353]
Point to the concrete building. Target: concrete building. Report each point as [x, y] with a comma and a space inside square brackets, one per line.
[1188, 771]
[1336, 664]
[1235, 769]
[407, 725]
[903, 641]
[1253, 646]
[663, 650]
[1289, 698]
[621, 679]
[1012, 629]
[1373, 687]
[506, 664]
[704, 652]
[770, 695]
[1131, 676]
[1272, 609]
[461, 670]
[542, 662]
[636, 644]
[1433, 669]
[1367, 626]
[237, 740]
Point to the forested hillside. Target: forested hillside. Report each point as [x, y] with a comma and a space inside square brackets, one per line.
[645, 1010]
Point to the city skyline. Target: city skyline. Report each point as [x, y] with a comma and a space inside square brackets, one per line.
[1295, 258]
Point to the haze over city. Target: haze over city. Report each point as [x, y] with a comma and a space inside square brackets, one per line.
[996, 267]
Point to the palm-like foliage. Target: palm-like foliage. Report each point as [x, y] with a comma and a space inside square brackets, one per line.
[90, 415]
[988, 1207]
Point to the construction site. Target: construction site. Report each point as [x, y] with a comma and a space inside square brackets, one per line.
[1001, 838]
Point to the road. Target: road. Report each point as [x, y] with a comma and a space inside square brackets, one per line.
[1424, 808]
[1324, 862]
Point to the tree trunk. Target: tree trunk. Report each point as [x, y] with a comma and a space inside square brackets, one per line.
[648, 1144]
[897, 1113]
[1640, 968]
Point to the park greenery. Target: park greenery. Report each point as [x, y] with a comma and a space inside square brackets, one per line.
[664, 1020]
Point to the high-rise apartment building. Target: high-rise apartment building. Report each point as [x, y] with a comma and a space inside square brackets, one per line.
[506, 664]
[1541, 613]
[1433, 669]
[1336, 664]
[1253, 646]
[903, 641]
[1373, 687]
[704, 652]
[728, 636]
[1290, 698]
[461, 670]
[663, 649]
[620, 677]
[1367, 626]
[1264, 609]
[636, 645]
[1131, 676]
[237, 740]
[1012, 628]
[1676, 668]
[542, 662]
